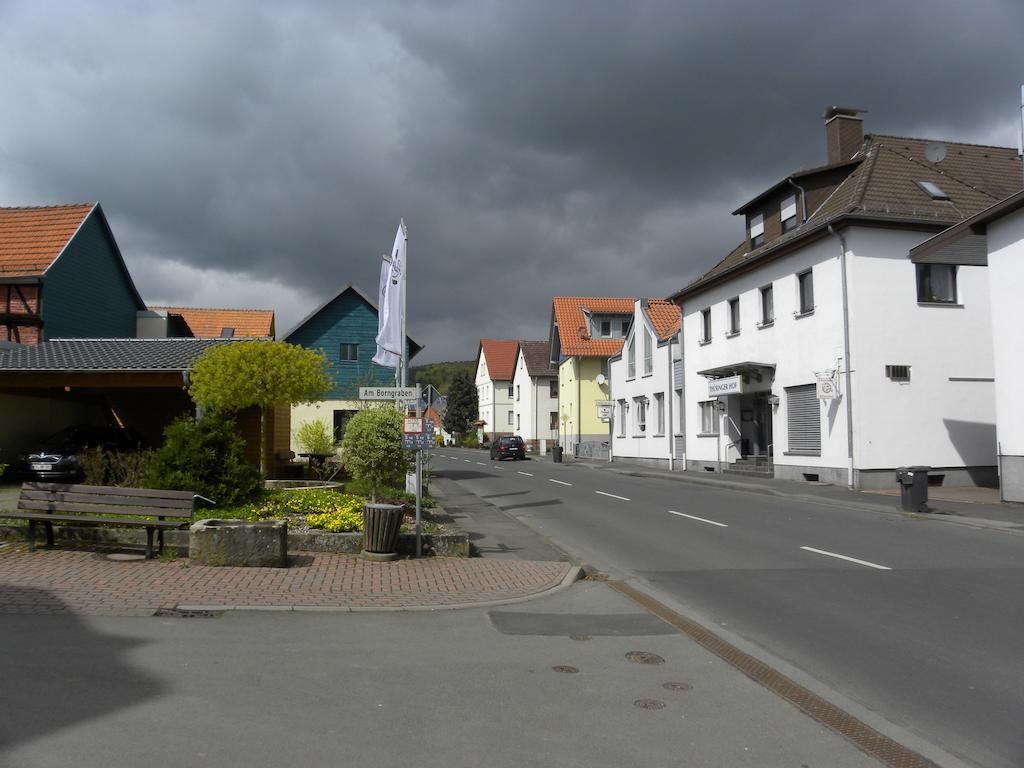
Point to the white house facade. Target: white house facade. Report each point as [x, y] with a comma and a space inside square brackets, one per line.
[494, 373]
[995, 237]
[818, 350]
[535, 395]
[646, 392]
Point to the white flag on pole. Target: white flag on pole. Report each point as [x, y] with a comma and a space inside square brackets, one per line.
[389, 311]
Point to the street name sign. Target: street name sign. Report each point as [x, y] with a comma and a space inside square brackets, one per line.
[388, 393]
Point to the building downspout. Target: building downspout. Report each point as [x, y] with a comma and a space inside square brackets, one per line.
[846, 352]
[579, 407]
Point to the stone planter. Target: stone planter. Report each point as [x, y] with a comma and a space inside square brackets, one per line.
[239, 542]
[380, 531]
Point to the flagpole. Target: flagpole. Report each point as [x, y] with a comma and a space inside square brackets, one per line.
[405, 280]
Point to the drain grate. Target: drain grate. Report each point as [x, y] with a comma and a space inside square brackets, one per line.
[863, 736]
[580, 637]
[649, 704]
[566, 669]
[178, 613]
[644, 657]
[676, 686]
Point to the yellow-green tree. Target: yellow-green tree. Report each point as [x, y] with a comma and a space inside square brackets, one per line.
[261, 373]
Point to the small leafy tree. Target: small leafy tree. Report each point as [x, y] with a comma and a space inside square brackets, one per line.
[463, 405]
[205, 456]
[314, 437]
[372, 448]
[265, 374]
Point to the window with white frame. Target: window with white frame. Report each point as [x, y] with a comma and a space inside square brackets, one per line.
[517, 422]
[625, 327]
[705, 325]
[659, 413]
[805, 288]
[709, 417]
[606, 328]
[734, 315]
[787, 211]
[640, 414]
[757, 231]
[349, 352]
[510, 418]
[648, 352]
[517, 393]
[631, 358]
[679, 412]
[767, 305]
[510, 390]
[623, 417]
[553, 388]
[553, 420]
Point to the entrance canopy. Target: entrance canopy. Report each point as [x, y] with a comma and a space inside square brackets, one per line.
[748, 370]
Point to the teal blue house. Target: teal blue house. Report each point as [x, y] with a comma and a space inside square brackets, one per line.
[344, 328]
[63, 276]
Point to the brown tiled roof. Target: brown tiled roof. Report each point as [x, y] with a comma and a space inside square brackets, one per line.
[206, 323]
[882, 187]
[664, 317]
[32, 238]
[501, 358]
[537, 355]
[574, 331]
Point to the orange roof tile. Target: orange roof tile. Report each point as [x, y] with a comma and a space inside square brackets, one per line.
[32, 238]
[664, 316]
[574, 331]
[206, 323]
[501, 358]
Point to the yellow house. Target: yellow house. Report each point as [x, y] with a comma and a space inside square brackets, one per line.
[584, 333]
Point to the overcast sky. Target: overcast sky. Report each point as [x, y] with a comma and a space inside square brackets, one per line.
[261, 154]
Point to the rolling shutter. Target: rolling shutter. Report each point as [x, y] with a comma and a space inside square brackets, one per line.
[803, 413]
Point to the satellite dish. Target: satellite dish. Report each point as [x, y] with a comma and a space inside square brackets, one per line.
[935, 152]
[600, 379]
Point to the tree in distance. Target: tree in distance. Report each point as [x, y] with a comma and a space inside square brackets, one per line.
[463, 406]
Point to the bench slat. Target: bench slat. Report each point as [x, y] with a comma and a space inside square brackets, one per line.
[91, 520]
[51, 506]
[108, 490]
[90, 498]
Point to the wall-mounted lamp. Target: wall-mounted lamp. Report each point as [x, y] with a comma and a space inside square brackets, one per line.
[774, 400]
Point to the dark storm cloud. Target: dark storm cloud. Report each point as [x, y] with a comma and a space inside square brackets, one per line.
[262, 154]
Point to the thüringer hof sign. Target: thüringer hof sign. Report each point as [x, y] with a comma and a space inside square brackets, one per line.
[731, 385]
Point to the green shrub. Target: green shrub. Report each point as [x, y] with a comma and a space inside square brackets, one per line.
[469, 440]
[372, 450]
[125, 469]
[208, 457]
[315, 437]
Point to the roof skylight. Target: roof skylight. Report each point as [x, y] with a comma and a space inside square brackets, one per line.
[934, 190]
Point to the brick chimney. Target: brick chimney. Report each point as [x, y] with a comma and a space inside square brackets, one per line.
[844, 132]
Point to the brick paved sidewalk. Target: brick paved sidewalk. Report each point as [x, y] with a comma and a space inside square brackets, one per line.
[86, 582]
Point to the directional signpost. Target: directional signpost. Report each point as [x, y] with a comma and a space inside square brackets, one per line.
[417, 435]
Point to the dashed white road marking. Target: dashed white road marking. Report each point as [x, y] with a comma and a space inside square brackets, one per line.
[848, 559]
[620, 498]
[699, 519]
[528, 474]
[480, 463]
[560, 482]
[467, 461]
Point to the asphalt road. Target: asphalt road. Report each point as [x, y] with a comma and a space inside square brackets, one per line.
[918, 621]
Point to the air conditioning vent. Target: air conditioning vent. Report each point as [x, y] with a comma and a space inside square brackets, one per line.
[898, 372]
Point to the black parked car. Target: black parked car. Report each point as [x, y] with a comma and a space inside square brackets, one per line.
[57, 457]
[505, 447]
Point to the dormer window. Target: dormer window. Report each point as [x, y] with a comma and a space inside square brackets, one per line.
[788, 213]
[757, 231]
[606, 328]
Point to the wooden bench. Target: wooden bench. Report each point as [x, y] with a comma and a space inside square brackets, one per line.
[50, 503]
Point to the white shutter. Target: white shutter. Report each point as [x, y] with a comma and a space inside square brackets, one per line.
[803, 418]
[756, 226]
[789, 207]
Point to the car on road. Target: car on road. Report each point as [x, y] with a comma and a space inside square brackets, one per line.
[506, 447]
[57, 458]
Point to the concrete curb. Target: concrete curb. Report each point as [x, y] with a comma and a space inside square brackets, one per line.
[575, 574]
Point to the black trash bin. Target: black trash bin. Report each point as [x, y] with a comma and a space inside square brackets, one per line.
[913, 488]
[556, 454]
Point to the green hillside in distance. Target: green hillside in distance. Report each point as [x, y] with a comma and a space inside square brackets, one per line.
[441, 374]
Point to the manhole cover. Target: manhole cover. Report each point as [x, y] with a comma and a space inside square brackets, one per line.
[644, 657]
[566, 669]
[676, 686]
[649, 704]
[579, 637]
[176, 613]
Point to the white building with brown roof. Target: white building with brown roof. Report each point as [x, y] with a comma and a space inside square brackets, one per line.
[647, 388]
[818, 350]
[535, 395]
[495, 369]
